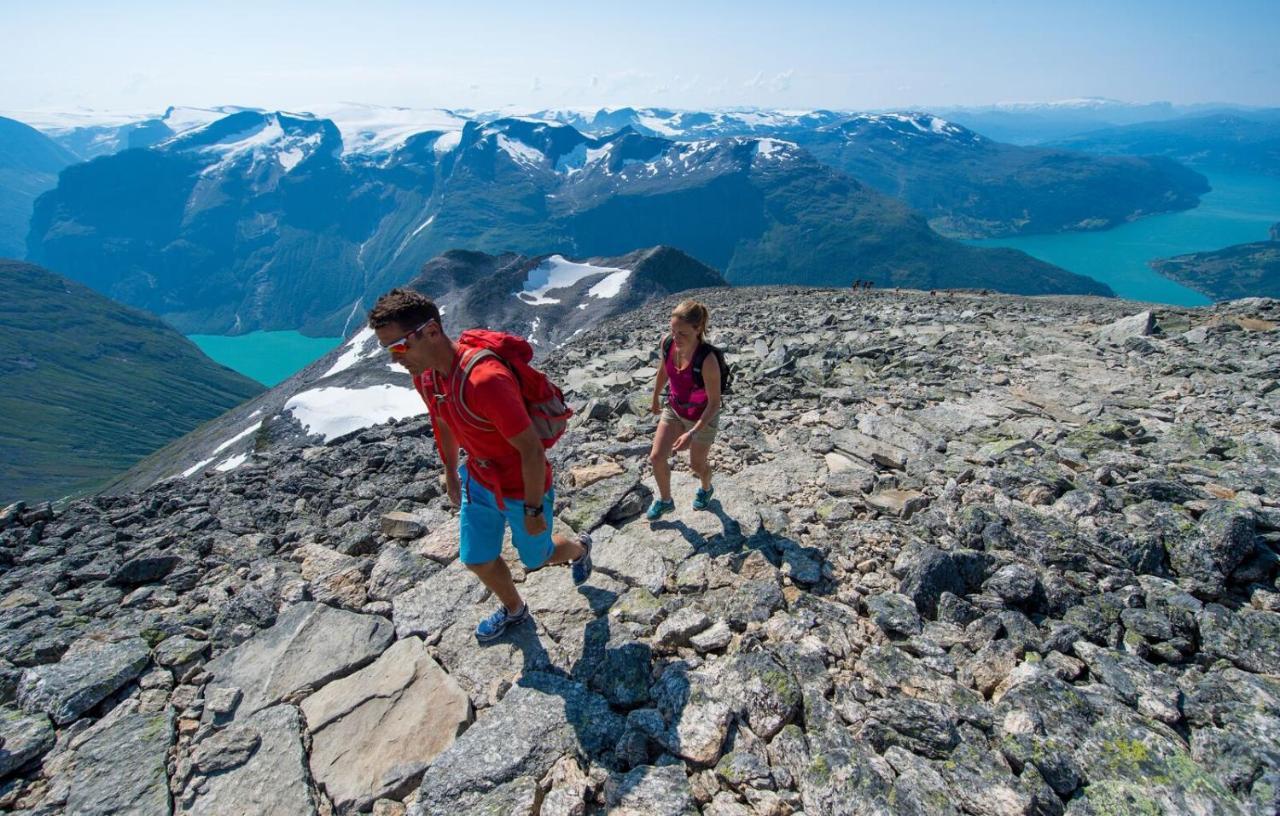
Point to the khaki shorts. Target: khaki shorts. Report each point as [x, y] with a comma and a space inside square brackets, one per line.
[703, 437]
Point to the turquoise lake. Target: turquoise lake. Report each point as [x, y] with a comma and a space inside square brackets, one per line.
[1238, 210]
[268, 357]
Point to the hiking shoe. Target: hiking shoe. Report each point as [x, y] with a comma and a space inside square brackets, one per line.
[492, 627]
[659, 508]
[703, 500]
[581, 566]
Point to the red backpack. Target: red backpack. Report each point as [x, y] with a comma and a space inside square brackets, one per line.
[543, 399]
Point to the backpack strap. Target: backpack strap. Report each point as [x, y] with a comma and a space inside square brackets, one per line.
[462, 374]
[700, 355]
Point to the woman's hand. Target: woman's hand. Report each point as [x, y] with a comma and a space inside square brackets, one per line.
[656, 407]
[683, 441]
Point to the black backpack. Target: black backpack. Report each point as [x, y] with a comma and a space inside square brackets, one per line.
[705, 348]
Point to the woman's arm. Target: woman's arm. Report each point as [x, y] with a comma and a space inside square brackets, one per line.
[659, 380]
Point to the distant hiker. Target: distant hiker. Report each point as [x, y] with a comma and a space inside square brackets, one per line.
[695, 372]
[479, 399]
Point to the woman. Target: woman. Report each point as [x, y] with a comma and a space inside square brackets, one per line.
[690, 415]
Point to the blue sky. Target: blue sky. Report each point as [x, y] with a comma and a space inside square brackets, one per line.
[145, 55]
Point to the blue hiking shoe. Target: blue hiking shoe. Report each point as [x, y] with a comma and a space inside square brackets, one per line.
[659, 508]
[703, 499]
[492, 627]
[582, 566]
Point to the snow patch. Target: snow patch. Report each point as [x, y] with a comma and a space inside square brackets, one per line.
[355, 350]
[289, 158]
[520, 152]
[373, 129]
[610, 286]
[236, 439]
[232, 463]
[557, 273]
[334, 412]
[189, 472]
[447, 142]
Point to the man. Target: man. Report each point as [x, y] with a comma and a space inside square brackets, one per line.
[506, 479]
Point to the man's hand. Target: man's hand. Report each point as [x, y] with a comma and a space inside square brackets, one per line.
[535, 525]
[683, 441]
[454, 490]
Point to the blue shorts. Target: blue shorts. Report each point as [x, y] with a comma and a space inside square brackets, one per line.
[482, 524]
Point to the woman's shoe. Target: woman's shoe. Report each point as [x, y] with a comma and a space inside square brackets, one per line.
[659, 508]
[703, 500]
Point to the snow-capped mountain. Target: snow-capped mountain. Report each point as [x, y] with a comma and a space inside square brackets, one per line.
[264, 220]
[547, 299]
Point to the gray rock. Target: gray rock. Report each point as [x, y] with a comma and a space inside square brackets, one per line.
[179, 650]
[930, 572]
[894, 613]
[145, 568]
[924, 728]
[1247, 637]
[1226, 539]
[400, 525]
[713, 639]
[680, 627]
[537, 722]
[650, 790]
[374, 732]
[397, 570]
[434, 604]
[590, 506]
[309, 645]
[1013, 583]
[23, 737]
[120, 769]
[1135, 681]
[273, 779]
[84, 677]
[763, 693]
[226, 749]
[693, 718]
[1138, 325]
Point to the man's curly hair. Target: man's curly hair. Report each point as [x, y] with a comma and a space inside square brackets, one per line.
[405, 307]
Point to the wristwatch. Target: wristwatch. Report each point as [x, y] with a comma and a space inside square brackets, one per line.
[533, 510]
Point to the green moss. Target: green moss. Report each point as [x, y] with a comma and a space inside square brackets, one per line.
[820, 769]
[152, 636]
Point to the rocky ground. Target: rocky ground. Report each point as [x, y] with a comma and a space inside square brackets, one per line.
[969, 554]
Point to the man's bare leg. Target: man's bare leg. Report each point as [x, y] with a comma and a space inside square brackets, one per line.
[497, 577]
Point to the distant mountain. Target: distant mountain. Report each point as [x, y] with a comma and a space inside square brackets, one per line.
[89, 386]
[29, 165]
[1243, 270]
[1024, 123]
[548, 299]
[969, 186]
[1230, 142]
[263, 221]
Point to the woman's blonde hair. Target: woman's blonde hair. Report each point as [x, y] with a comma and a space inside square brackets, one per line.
[693, 313]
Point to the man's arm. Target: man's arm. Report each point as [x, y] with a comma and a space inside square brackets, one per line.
[449, 452]
[533, 467]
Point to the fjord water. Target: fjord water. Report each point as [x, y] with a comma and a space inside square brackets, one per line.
[1239, 209]
[268, 357]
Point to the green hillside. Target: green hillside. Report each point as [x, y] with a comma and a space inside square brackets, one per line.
[89, 386]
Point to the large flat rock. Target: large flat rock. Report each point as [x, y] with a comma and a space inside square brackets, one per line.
[309, 645]
[121, 769]
[374, 732]
[87, 673]
[542, 719]
[273, 779]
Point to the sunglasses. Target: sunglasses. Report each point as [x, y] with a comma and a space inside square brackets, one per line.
[402, 345]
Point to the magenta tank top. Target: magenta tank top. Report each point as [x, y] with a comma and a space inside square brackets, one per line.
[686, 399]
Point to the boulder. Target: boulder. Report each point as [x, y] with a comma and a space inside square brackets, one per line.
[87, 673]
[309, 645]
[375, 731]
[271, 778]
